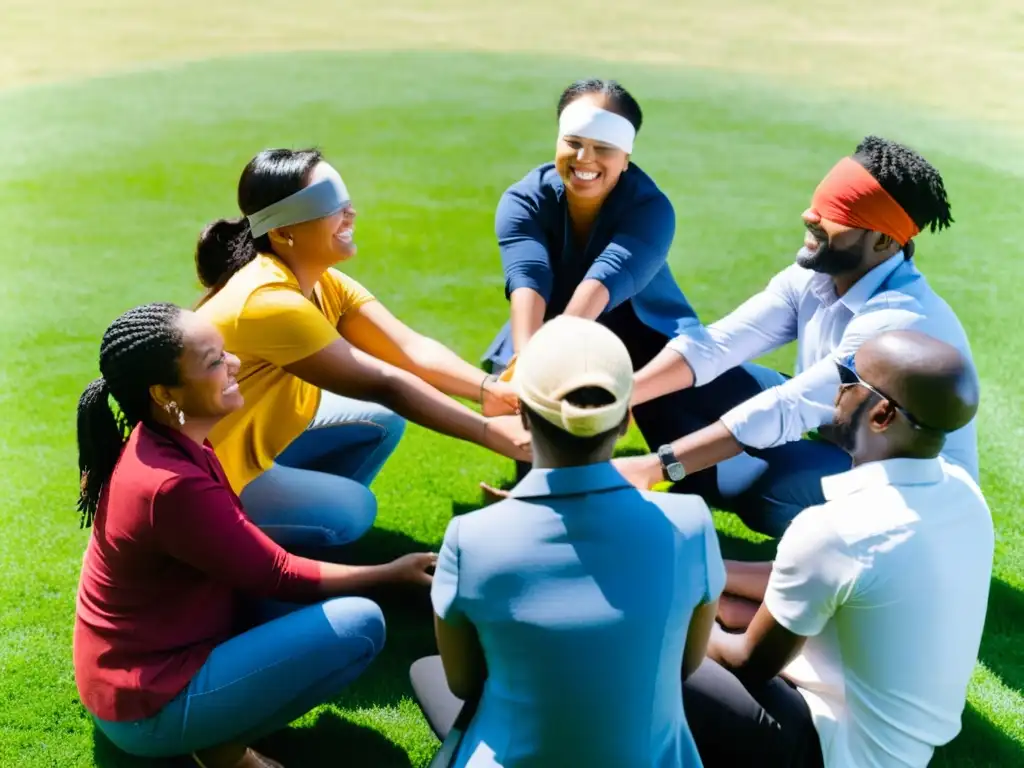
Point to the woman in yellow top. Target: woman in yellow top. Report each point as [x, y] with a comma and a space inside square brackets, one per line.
[327, 373]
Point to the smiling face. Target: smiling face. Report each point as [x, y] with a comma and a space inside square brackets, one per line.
[326, 240]
[589, 168]
[207, 389]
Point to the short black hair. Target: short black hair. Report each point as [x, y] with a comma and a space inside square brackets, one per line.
[620, 101]
[565, 444]
[912, 181]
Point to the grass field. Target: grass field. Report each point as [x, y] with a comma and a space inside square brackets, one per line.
[124, 132]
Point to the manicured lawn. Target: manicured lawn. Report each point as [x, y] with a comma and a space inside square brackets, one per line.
[105, 184]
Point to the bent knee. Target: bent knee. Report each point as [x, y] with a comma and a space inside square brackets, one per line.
[357, 617]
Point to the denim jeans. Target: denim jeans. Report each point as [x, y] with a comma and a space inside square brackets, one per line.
[259, 681]
[316, 492]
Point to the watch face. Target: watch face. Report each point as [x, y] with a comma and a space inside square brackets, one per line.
[676, 472]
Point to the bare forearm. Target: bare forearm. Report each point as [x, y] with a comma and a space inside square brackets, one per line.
[589, 300]
[667, 372]
[749, 580]
[444, 370]
[528, 309]
[337, 579]
[416, 400]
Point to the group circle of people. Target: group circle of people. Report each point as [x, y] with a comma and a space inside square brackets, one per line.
[587, 617]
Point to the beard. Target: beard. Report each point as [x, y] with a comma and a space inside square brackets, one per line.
[828, 260]
[844, 433]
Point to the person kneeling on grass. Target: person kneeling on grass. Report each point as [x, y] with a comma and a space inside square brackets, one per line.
[875, 604]
[159, 659]
[328, 373]
[567, 608]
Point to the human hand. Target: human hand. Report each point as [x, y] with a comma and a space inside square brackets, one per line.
[642, 472]
[498, 398]
[507, 435]
[412, 568]
[493, 494]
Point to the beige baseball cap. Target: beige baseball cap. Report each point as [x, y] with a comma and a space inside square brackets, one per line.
[566, 354]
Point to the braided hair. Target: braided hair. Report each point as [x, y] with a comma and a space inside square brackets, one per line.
[140, 349]
[911, 180]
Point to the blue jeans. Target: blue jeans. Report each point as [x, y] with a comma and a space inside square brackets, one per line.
[261, 680]
[765, 488]
[316, 492]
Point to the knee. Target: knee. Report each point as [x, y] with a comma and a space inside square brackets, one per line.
[362, 512]
[357, 617]
[392, 424]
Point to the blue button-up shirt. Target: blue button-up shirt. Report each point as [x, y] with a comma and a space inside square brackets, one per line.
[581, 590]
[801, 305]
[627, 251]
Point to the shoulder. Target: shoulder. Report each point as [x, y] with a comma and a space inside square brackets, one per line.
[152, 466]
[685, 510]
[540, 188]
[914, 305]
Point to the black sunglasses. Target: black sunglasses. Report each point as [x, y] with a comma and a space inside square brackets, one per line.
[849, 377]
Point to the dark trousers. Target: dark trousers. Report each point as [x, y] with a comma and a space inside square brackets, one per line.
[768, 724]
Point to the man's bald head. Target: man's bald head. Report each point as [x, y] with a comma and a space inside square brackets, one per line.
[929, 378]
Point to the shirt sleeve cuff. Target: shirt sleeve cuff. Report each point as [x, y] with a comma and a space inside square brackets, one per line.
[694, 346]
[757, 422]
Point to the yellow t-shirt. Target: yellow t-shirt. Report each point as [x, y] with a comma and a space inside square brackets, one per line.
[268, 323]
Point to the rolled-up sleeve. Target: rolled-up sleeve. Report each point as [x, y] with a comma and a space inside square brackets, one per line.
[762, 323]
[785, 413]
[230, 548]
[637, 251]
[444, 592]
[523, 244]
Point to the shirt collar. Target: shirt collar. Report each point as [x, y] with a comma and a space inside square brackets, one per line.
[878, 474]
[866, 287]
[825, 290]
[197, 454]
[569, 481]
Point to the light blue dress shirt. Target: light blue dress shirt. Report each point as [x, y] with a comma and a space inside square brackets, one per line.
[581, 589]
[801, 305]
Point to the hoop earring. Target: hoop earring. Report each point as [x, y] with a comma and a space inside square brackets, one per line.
[173, 406]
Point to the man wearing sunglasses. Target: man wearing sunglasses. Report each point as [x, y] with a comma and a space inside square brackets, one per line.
[874, 635]
[744, 448]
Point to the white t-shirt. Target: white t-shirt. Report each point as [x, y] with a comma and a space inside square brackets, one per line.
[889, 582]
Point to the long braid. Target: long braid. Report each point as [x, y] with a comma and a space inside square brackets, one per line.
[140, 349]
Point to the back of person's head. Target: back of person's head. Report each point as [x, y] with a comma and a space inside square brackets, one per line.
[227, 245]
[140, 349]
[574, 380]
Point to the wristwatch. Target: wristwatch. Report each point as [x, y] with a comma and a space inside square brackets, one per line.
[670, 466]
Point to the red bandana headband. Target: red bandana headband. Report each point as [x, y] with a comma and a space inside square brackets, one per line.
[851, 196]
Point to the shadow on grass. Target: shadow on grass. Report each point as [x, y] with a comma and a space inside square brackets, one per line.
[980, 744]
[330, 741]
[1001, 648]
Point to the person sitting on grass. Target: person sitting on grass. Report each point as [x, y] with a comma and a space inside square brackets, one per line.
[874, 607]
[327, 372]
[565, 610]
[162, 660]
[854, 278]
[588, 235]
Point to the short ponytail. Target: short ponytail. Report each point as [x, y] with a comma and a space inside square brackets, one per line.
[224, 247]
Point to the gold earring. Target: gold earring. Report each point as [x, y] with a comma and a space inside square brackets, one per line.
[290, 242]
[180, 414]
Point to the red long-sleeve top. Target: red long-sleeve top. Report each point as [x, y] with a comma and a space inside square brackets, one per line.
[170, 554]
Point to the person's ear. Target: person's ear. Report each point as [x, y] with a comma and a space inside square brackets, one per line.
[161, 395]
[280, 237]
[881, 416]
[885, 244]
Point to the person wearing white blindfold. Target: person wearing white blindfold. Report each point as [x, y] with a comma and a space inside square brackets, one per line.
[328, 374]
[588, 235]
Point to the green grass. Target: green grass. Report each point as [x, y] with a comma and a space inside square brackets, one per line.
[105, 184]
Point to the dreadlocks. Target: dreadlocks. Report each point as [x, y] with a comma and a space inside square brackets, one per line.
[911, 180]
[140, 349]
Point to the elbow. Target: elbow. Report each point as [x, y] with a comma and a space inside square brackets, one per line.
[464, 687]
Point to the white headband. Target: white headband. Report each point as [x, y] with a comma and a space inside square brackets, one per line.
[583, 120]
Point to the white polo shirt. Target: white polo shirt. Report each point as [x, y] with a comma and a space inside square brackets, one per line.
[889, 582]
